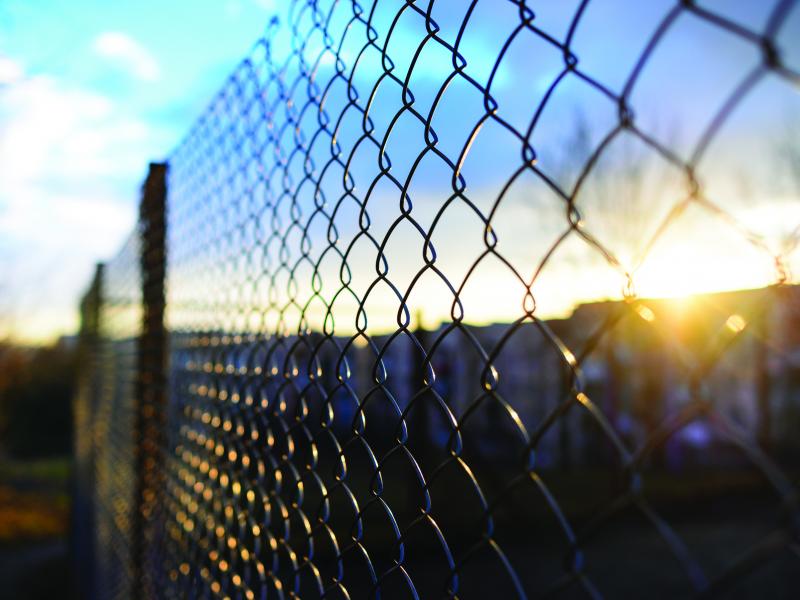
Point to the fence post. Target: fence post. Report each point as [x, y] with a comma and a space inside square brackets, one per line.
[150, 380]
[83, 415]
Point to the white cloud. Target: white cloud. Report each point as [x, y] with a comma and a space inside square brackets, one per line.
[128, 53]
[52, 131]
[10, 71]
[70, 163]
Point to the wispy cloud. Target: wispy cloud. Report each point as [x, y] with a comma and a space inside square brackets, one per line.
[62, 205]
[10, 71]
[128, 54]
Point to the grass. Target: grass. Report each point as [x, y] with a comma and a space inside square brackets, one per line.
[34, 503]
[42, 471]
[31, 516]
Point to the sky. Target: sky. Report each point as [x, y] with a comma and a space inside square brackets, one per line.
[91, 91]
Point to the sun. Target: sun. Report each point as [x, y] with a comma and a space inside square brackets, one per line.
[691, 268]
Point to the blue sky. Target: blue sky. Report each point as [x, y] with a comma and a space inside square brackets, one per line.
[91, 91]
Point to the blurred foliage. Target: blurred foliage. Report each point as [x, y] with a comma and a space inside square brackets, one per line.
[27, 516]
[34, 523]
[36, 388]
[49, 472]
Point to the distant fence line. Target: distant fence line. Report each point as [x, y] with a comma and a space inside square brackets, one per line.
[294, 383]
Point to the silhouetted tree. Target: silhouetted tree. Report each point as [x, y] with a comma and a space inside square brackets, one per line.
[36, 387]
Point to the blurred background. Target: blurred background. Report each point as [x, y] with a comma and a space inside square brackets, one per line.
[90, 92]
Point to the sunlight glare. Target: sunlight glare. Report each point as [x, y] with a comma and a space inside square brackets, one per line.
[691, 268]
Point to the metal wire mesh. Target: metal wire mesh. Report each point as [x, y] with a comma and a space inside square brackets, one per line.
[370, 390]
[118, 413]
[114, 420]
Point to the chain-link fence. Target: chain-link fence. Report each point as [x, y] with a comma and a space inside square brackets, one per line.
[119, 427]
[404, 318]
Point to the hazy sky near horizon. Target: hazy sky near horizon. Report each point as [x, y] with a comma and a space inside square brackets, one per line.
[91, 91]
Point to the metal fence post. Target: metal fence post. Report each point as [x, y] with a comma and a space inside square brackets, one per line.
[150, 380]
[84, 409]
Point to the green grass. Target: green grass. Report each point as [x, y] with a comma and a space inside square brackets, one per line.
[50, 472]
[34, 500]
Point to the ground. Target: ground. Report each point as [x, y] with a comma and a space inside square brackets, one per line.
[34, 529]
